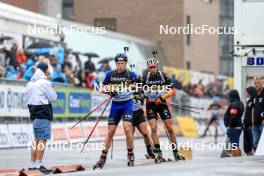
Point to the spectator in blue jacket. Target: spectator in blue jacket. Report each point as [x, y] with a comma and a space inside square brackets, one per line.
[58, 76]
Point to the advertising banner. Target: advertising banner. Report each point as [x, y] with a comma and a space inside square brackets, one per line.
[20, 134]
[5, 141]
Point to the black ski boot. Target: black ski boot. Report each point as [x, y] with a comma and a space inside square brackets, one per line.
[159, 158]
[101, 162]
[177, 155]
[158, 154]
[150, 153]
[130, 159]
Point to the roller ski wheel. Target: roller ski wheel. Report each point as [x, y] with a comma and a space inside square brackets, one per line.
[160, 159]
[149, 156]
[100, 164]
[130, 159]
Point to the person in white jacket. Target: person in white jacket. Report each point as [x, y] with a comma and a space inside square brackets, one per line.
[40, 94]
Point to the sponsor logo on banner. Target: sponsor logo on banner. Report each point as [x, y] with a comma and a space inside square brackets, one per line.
[4, 137]
[79, 102]
[16, 100]
[59, 106]
[13, 101]
[20, 135]
[70, 102]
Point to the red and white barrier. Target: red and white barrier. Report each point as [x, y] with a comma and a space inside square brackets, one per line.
[20, 135]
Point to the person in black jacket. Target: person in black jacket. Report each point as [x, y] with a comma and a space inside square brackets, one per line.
[250, 94]
[258, 112]
[232, 119]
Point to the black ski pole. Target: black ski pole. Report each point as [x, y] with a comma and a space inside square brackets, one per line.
[96, 123]
[89, 113]
[186, 106]
[112, 148]
[180, 108]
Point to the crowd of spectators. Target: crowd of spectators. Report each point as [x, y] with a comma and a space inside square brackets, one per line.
[218, 88]
[67, 68]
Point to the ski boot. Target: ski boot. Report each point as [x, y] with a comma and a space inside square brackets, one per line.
[159, 158]
[151, 154]
[130, 159]
[177, 155]
[101, 162]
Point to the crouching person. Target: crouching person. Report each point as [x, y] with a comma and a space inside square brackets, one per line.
[233, 121]
[40, 94]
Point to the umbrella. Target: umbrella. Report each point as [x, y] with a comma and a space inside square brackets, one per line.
[91, 55]
[40, 45]
[29, 53]
[69, 50]
[2, 38]
[105, 60]
[76, 53]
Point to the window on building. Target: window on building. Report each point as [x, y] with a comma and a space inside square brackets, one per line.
[188, 65]
[67, 10]
[188, 36]
[226, 40]
[108, 23]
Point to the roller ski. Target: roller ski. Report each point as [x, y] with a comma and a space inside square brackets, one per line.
[100, 164]
[130, 159]
[160, 158]
[151, 155]
[178, 156]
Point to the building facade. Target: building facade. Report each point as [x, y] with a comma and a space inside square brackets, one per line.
[145, 18]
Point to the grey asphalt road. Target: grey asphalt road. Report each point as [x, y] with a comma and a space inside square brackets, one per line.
[205, 161]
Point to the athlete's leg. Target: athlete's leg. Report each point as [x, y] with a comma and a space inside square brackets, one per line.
[166, 117]
[128, 129]
[143, 129]
[216, 132]
[152, 119]
[154, 130]
[108, 139]
[113, 120]
[207, 127]
[169, 125]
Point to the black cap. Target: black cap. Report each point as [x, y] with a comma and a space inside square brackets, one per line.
[43, 66]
